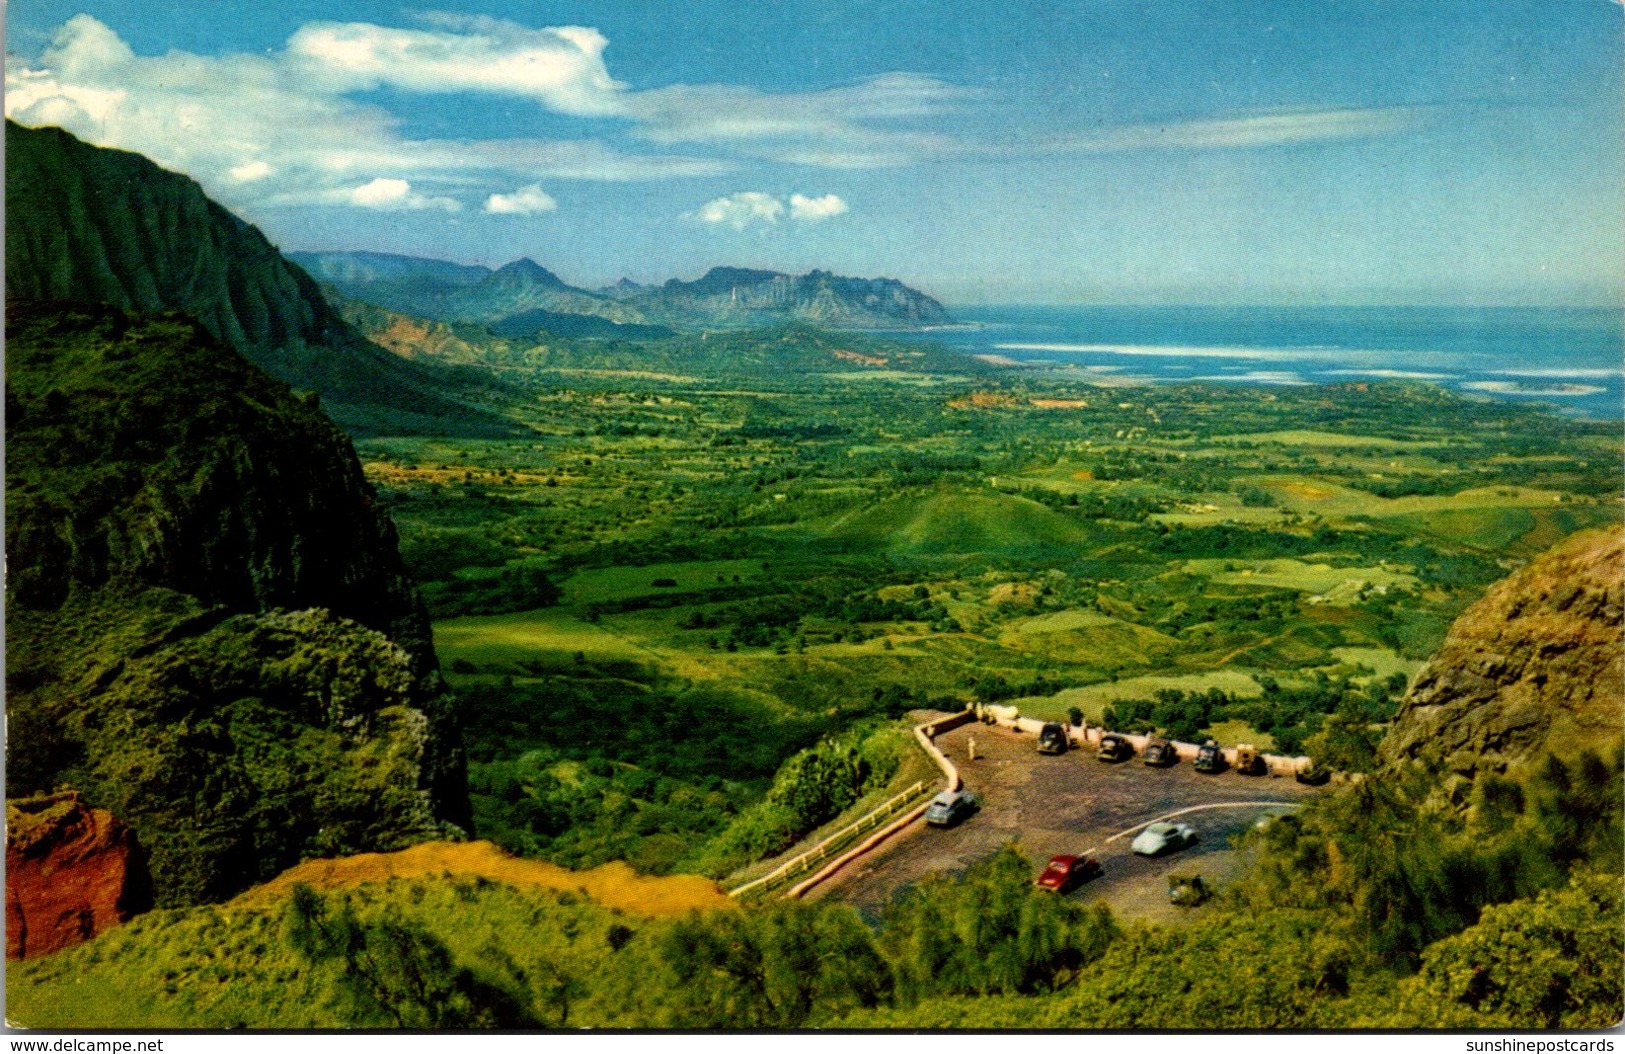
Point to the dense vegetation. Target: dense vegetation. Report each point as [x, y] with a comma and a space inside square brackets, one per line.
[684, 615]
[1382, 908]
[727, 548]
[208, 629]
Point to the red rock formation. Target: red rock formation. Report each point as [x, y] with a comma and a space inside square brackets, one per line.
[71, 873]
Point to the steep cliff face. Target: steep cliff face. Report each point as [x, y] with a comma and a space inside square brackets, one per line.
[71, 873]
[1537, 665]
[209, 627]
[96, 226]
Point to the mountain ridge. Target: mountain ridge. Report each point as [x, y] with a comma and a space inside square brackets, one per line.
[88, 224]
[724, 297]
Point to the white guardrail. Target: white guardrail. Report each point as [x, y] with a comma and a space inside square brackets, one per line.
[820, 855]
[1008, 717]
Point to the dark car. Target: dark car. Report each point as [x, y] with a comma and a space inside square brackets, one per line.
[1248, 761]
[1160, 753]
[1210, 757]
[1114, 747]
[950, 807]
[1313, 774]
[1052, 739]
[1066, 873]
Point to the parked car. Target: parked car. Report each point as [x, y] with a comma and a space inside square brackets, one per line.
[1313, 774]
[1066, 873]
[1163, 837]
[1187, 891]
[1052, 739]
[1160, 753]
[1248, 761]
[950, 807]
[1210, 757]
[1114, 747]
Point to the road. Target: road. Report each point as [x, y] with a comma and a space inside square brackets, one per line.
[1072, 803]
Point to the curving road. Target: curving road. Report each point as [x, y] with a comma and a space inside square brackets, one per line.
[1072, 803]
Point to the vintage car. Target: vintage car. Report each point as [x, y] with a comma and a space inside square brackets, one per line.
[1210, 757]
[1188, 891]
[1248, 760]
[1160, 754]
[950, 807]
[1066, 873]
[1052, 739]
[1114, 747]
[1163, 837]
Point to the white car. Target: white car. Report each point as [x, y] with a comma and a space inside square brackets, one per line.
[1160, 838]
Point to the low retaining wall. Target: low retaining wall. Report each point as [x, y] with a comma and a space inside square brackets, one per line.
[802, 861]
[1090, 735]
[925, 734]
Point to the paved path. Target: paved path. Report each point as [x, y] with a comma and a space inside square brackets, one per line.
[1073, 803]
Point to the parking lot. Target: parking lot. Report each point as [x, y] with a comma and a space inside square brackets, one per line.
[1072, 803]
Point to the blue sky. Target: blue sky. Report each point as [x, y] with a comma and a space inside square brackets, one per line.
[1092, 151]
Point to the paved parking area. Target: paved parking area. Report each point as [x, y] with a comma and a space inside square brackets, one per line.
[1073, 803]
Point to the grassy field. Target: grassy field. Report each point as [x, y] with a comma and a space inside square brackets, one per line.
[835, 543]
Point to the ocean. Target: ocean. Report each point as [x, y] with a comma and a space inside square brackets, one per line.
[1572, 359]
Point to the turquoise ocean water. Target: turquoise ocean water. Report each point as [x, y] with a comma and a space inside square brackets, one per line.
[1572, 359]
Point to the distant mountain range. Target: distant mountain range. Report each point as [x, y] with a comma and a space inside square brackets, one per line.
[523, 297]
[88, 225]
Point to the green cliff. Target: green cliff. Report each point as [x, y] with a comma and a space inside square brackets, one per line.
[96, 226]
[209, 629]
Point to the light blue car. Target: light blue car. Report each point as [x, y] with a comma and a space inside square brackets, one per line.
[1163, 837]
[949, 807]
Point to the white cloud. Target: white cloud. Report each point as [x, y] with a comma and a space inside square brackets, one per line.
[833, 128]
[742, 210]
[1279, 128]
[390, 194]
[526, 201]
[752, 207]
[263, 130]
[249, 171]
[813, 209]
[563, 68]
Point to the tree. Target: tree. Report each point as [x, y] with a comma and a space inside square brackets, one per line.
[1554, 962]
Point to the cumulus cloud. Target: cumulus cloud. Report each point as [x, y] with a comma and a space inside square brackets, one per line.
[526, 201]
[390, 194]
[265, 130]
[741, 210]
[286, 126]
[814, 209]
[752, 207]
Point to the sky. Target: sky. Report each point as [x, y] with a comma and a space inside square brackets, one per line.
[1064, 152]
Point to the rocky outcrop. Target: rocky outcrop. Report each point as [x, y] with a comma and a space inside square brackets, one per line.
[209, 627]
[1536, 666]
[71, 873]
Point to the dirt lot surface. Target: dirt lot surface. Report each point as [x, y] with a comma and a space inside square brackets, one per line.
[1073, 803]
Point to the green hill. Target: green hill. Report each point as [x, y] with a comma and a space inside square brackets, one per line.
[948, 525]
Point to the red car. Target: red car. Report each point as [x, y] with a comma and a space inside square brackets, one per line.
[1066, 872]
